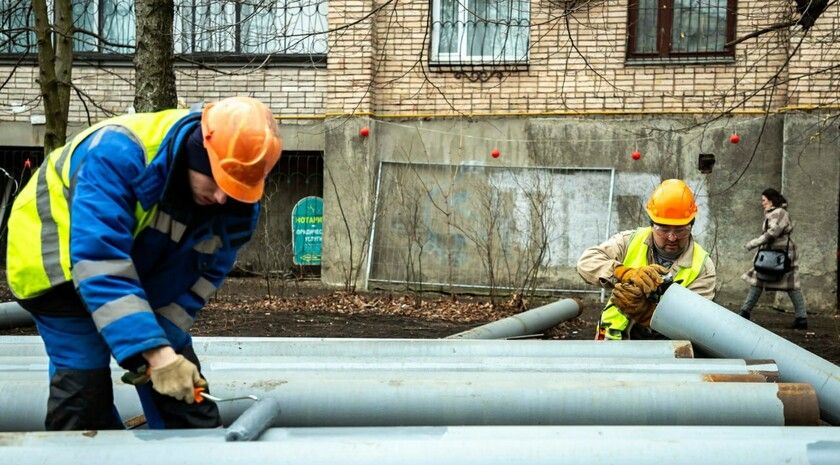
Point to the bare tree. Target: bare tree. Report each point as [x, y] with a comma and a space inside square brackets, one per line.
[55, 63]
[154, 56]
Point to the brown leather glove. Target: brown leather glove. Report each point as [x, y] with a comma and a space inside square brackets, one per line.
[177, 379]
[633, 303]
[646, 278]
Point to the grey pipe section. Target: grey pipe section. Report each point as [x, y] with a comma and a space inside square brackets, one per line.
[254, 421]
[12, 315]
[531, 322]
[457, 445]
[418, 399]
[329, 347]
[725, 334]
[214, 363]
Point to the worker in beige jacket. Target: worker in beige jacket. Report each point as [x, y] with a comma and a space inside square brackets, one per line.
[634, 263]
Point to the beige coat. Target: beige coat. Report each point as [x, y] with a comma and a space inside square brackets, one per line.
[777, 228]
[597, 264]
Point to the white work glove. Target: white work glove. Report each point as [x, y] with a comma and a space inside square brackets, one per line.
[177, 379]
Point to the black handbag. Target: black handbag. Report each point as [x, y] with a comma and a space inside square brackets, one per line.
[771, 265]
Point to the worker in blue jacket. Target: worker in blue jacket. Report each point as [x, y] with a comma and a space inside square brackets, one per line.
[119, 239]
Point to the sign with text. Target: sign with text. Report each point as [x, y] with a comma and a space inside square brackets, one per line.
[307, 230]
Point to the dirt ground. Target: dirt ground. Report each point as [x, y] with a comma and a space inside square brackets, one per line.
[248, 307]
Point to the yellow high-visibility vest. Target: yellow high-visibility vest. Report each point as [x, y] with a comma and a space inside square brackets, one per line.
[613, 322]
[38, 254]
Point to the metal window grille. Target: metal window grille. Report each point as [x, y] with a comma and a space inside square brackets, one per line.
[298, 174]
[255, 27]
[680, 28]
[480, 32]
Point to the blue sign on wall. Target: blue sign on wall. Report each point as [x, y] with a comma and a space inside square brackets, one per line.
[307, 230]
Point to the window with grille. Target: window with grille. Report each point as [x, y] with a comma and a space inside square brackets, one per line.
[480, 31]
[675, 29]
[211, 27]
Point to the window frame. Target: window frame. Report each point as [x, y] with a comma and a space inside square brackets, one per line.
[664, 31]
[116, 58]
[462, 57]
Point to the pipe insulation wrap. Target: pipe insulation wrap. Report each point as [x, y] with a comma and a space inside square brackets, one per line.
[329, 347]
[723, 333]
[12, 315]
[213, 363]
[532, 321]
[254, 421]
[421, 399]
[461, 445]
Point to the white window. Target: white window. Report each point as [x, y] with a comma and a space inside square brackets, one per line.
[225, 28]
[251, 27]
[480, 31]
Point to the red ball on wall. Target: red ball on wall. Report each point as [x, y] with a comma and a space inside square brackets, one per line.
[364, 132]
[636, 155]
[495, 153]
[734, 138]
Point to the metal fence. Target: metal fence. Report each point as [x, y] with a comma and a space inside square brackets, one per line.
[518, 229]
[298, 174]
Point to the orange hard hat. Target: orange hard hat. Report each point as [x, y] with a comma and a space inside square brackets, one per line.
[243, 144]
[672, 203]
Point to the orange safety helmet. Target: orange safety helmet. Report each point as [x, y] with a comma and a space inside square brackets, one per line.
[672, 203]
[243, 144]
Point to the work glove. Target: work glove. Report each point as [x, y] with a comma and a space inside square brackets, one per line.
[646, 278]
[753, 244]
[177, 379]
[633, 303]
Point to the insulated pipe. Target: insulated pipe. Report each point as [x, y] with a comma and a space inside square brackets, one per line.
[433, 364]
[12, 315]
[725, 334]
[329, 347]
[418, 399]
[531, 322]
[461, 445]
[254, 421]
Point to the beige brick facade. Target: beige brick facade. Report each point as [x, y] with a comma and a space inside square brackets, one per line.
[290, 91]
[379, 65]
[558, 78]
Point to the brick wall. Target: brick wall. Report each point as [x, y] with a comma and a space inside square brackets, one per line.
[291, 91]
[815, 71]
[559, 79]
[378, 63]
[350, 57]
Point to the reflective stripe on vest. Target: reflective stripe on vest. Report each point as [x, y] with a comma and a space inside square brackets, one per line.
[613, 321]
[42, 208]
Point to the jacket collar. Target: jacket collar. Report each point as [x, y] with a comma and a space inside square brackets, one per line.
[683, 261]
[154, 181]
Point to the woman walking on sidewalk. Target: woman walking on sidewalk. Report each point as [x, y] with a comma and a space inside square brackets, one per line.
[776, 236]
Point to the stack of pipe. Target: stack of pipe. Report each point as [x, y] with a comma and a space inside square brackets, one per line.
[387, 382]
[461, 445]
[468, 401]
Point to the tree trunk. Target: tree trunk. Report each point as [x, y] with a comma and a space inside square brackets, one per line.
[154, 56]
[55, 66]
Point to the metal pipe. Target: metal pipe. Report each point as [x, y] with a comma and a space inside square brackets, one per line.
[329, 347]
[533, 321]
[12, 315]
[725, 334]
[254, 421]
[464, 445]
[213, 363]
[382, 399]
